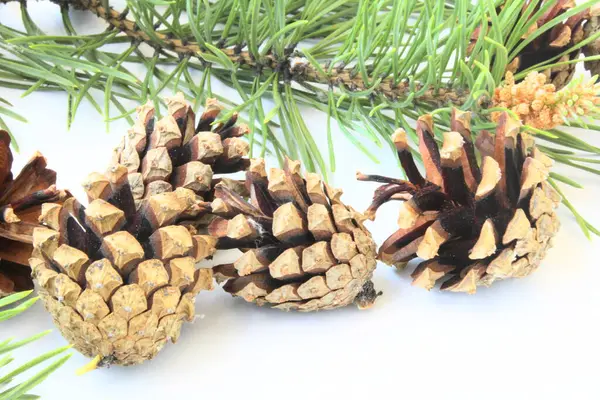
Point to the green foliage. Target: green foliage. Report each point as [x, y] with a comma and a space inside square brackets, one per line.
[371, 66]
[5, 111]
[9, 308]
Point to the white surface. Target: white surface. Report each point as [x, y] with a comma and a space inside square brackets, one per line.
[535, 338]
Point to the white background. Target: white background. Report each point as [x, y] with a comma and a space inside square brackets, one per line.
[535, 338]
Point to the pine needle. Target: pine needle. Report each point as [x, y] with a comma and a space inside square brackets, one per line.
[9, 308]
[92, 365]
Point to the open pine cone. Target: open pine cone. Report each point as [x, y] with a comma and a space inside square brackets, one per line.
[553, 42]
[303, 248]
[471, 224]
[119, 276]
[20, 202]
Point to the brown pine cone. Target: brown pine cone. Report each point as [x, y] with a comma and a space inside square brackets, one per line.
[20, 203]
[551, 43]
[119, 276]
[470, 224]
[303, 248]
[592, 27]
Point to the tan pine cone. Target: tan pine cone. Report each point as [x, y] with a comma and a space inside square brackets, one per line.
[20, 204]
[119, 275]
[471, 224]
[161, 155]
[111, 295]
[551, 43]
[303, 248]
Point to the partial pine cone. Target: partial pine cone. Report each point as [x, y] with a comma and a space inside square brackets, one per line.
[20, 205]
[553, 42]
[471, 224]
[174, 151]
[303, 249]
[119, 276]
[592, 27]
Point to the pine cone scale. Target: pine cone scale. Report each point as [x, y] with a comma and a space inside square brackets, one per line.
[592, 27]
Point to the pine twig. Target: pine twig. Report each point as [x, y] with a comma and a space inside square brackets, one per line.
[292, 67]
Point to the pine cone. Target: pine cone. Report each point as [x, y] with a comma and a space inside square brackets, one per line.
[111, 295]
[303, 248]
[20, 202]
[470, 224]
[592, 27]
[119, 276]
[551, 43]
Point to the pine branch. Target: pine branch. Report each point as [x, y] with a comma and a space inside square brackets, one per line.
[290, 67]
